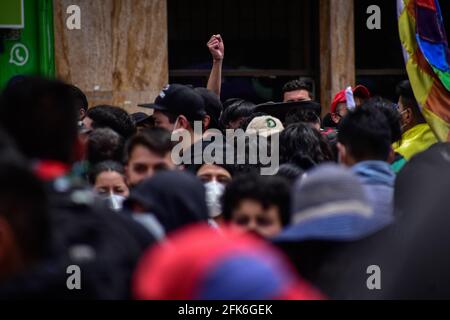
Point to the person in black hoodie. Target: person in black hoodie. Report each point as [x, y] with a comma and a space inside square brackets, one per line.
[41, 116]
[175, 198]
[24, 220]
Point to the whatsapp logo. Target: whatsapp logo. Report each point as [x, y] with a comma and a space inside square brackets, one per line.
[19, 55]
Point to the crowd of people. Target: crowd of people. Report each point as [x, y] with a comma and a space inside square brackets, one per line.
[98, 188]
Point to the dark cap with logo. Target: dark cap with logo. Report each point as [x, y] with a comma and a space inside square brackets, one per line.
[177, 99]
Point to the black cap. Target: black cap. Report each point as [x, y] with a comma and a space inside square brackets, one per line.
[178, 99]
[213, 105]
[280, 110]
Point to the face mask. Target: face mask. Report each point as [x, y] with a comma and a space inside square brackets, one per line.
[175, 127]
[115, 201]
[214, 191]
[403, 124]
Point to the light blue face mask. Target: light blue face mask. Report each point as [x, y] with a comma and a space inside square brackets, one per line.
[214, 191]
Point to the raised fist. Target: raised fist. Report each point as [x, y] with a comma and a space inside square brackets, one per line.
[216, 47]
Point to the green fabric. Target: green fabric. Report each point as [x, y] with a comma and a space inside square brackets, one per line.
[444, 77]
[398, 165]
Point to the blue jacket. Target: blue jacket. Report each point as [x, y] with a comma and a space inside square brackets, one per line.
[378, 180]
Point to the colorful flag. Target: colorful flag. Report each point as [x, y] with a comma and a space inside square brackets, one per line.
[427, 57]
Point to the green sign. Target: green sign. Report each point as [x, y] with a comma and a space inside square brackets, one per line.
[32, 53]
[11, 14]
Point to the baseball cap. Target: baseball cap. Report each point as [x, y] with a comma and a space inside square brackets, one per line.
[178, 99]
[265, 126]
[358, 91]
[213, 105]
[330, 204]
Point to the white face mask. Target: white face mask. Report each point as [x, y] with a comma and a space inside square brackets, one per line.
[115, 201]
[214, 191]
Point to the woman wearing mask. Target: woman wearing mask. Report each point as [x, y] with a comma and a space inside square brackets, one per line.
[215, 179]
[108, 180]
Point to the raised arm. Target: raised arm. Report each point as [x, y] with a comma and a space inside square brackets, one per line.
[217, 49]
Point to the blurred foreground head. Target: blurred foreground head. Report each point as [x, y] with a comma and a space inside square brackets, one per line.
[24, 224]
[202, 264]
[175, 198]
[330, 204]
[41, 116]
[419, 243]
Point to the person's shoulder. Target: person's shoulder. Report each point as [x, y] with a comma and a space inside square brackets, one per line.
[76, 209]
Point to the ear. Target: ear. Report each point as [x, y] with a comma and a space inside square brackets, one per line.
[408, 116]
[183, 122]
[342, 154]
[206, 122]
[82, 113]
[391, 156]
[335, 118]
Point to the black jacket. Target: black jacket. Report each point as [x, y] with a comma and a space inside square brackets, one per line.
[104, 244]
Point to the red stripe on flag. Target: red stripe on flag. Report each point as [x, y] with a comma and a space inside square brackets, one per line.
[430, 4]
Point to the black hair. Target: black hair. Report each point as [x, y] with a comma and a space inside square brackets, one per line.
[81, 100]
[41, 116]
[366, 134]
[302, 145]
[172, 117]
[299, 84]
[104, 144]
[157, 140]
[267, 190]
[213, 106]
[391, 113]
[301, 115]
[328, 122]
[235, 109]
[116, 118]
[195, 165]
[23, 202]
[105, 166]
[406, 94]
[290, 172]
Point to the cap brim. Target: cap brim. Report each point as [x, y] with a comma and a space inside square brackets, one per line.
[280, 110]
[344, 227]
[142, 120]
[153, 106]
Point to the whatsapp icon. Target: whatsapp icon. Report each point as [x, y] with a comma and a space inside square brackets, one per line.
[19, 55]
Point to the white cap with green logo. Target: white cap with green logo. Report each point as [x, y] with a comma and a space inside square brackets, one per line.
[265, 126]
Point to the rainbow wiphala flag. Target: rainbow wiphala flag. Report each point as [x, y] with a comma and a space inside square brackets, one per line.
[427, 58]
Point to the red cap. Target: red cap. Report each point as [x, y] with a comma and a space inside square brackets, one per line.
[358, 91]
